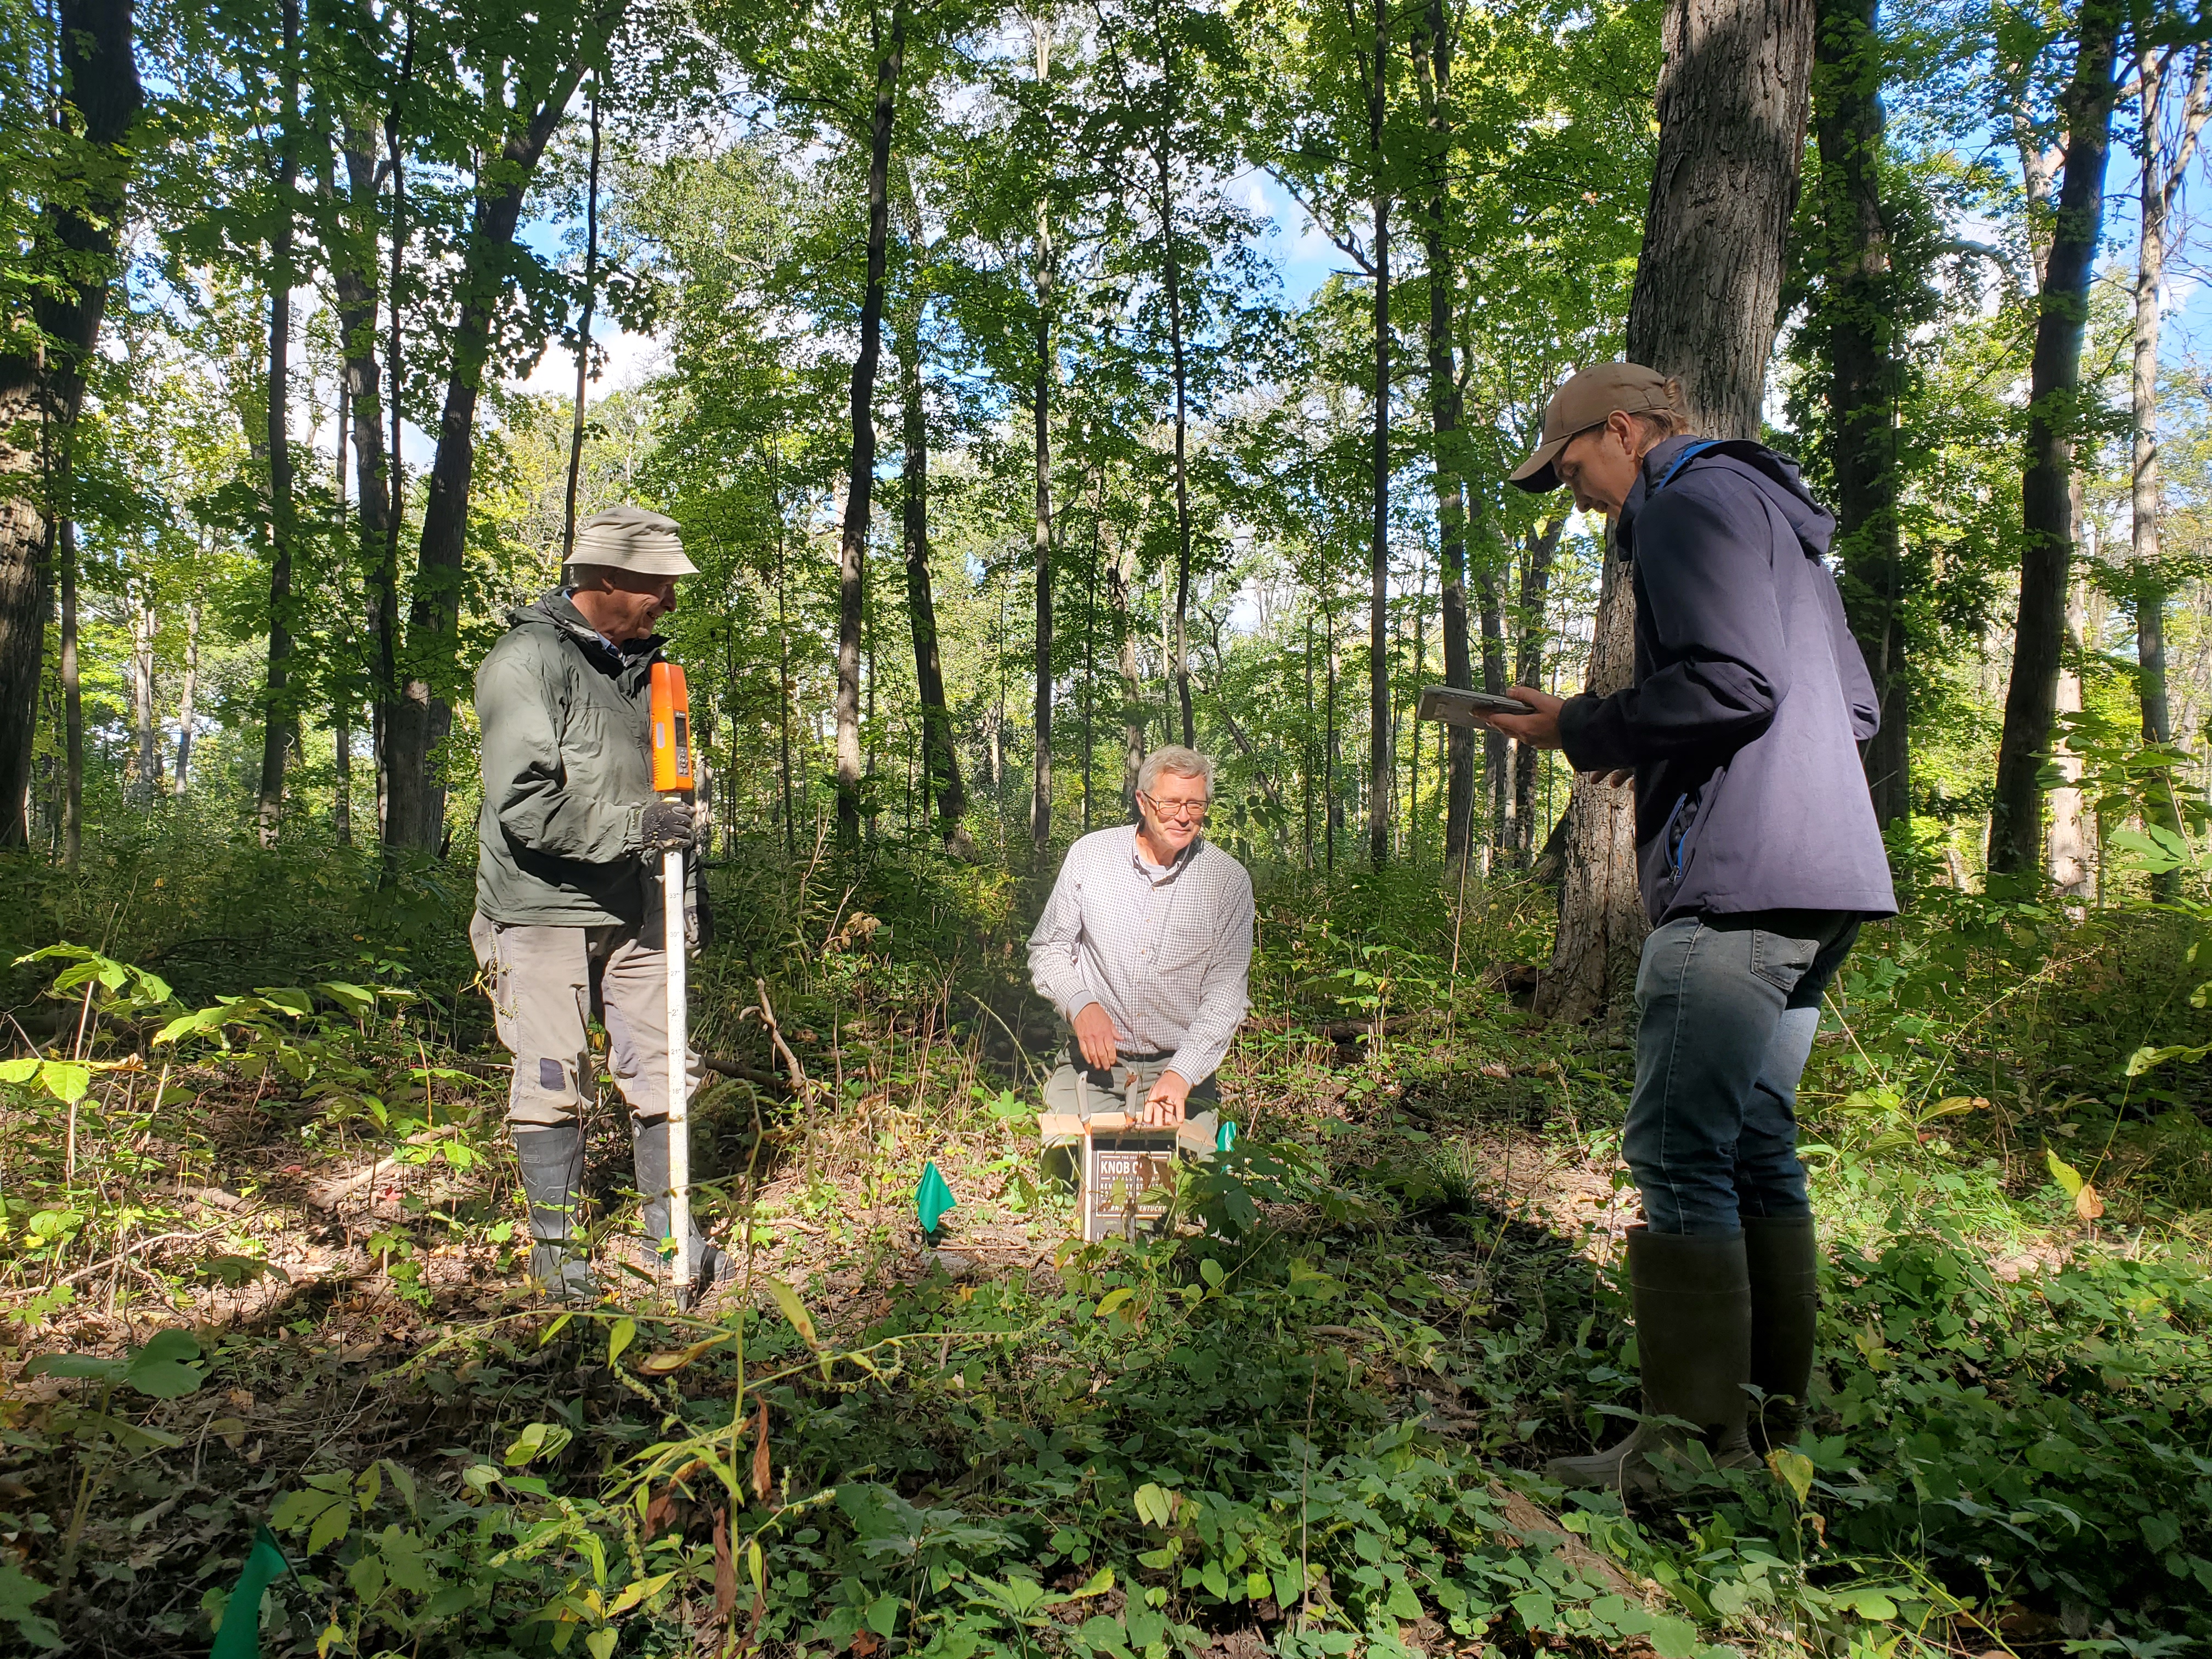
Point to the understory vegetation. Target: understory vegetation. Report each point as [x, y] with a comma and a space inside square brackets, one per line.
[260, 1266]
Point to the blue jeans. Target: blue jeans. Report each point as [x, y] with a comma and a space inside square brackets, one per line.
[1727, 1007]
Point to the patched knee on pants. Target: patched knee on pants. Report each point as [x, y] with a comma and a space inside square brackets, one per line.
[550, 1075]
[546, 1090]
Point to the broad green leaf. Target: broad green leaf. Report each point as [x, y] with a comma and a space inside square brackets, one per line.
[1113, 1299]
[1793, 1469]
[19, 1071]
[795, 1311]
[63, 1081]
[162, 1369]
[1210, 1272]
[620, 1337]
[601, 1642]
[2068, 1177]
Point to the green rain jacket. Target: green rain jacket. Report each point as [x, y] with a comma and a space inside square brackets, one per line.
[567, 773]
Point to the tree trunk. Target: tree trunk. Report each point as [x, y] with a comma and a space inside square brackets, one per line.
[146, 781]
[1733, 100]
[1181, 668]
[1859, 301]
[940, 761]
[1380, 766]
[72, 694]
[422, 717]
[1529, 642]
[1041, 422]
[583, 332]
[1495, 766]
[2068, 855]
[2163, 166]
[186, 713]
[276, 711]
[860, 490]
[1119, 576]
[2046, 516]
[1433, 65]
[42, 384]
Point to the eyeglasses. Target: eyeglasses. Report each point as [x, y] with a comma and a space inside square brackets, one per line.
[1175, 812]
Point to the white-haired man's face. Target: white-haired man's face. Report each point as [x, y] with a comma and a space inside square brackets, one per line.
[1175, 810]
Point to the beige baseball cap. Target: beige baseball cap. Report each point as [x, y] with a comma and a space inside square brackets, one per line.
[1584, 402]
[632, 538]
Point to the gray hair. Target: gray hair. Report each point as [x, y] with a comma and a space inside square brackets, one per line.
[1182, 762]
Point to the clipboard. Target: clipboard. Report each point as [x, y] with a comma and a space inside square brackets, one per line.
[1454, 706]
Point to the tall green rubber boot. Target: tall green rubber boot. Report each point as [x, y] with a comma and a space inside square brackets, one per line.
[552, 1160]
[1783, 1258]
[648, 1140]
[1692, 1303]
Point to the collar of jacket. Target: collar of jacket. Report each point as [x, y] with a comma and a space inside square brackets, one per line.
[557, 611]
[1656, 463]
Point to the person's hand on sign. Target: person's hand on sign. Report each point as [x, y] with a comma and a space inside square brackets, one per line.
[1094, 1036]
[1164, 1107]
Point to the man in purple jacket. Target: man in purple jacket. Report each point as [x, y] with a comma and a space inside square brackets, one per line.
[1758, 856]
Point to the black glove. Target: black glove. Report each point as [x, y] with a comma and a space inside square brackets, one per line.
[667, 826]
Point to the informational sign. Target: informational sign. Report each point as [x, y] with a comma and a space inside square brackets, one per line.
[1128, 1175]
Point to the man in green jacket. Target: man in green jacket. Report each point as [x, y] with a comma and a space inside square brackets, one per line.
[568, 899]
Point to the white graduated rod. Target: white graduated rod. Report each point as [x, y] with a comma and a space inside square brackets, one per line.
[679, 1072]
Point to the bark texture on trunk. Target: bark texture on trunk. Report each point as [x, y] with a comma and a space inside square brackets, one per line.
[145, 723]
[1734, 96]
[859, 489]
[422, 717]
[2046, 510]
[72, 702]
[1864, 377]
[41, 386]
[1120, 576]
[187, 712]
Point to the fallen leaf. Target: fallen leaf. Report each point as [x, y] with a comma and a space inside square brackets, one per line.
[660, 1512]
[1493, 1068]
[726, 1568]
[867, 1642]
[2086, 1204]
[763, 1476]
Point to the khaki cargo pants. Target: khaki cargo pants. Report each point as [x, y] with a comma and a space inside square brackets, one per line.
[1081, 1090]
[546, 982]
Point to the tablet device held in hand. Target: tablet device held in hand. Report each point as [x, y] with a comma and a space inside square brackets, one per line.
[1456, 708]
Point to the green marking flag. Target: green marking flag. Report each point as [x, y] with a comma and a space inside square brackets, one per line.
[932, 1198]
[240, 1637]
[1224, 1137]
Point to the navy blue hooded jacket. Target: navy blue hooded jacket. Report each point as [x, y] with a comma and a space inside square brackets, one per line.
[1750, 700]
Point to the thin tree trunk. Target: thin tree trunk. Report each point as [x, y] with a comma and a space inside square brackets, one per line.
[146, 785]
[1433, 65]
[940, 761]
[2163, 167]
[71, 255]
[2067, 852]
[2046, 516]
[422, 716]
[859, 492]
[186, 713]
[1306, 748]
[583, 332]
[1181, 667]
[1118, 577]
[1380, 764]
[783, 662]
[1733, 95]
[1329, 812]
[1859, 303]
[1041, 414]
[72, 692]
[384, 715]
[342, 712]
[1496, 764]
[276, 711]
[1529, 640]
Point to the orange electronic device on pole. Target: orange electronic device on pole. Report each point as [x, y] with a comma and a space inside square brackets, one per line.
[671, 775]
[672, 732]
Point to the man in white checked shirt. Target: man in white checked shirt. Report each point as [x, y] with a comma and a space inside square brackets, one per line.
[1144, 948]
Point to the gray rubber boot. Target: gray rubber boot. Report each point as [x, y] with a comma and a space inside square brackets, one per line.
[1783, 1258]
[1692, 1303]
[552, 1160]
[648, 1138]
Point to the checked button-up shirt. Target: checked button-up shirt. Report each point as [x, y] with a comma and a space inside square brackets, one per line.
[1166, 951]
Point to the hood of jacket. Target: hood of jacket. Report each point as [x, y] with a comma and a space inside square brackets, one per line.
[1779, 478]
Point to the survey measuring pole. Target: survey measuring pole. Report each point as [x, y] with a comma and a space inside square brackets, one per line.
[671, 775]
